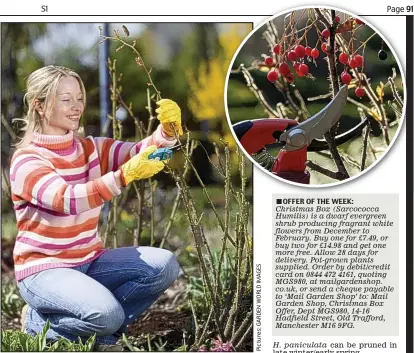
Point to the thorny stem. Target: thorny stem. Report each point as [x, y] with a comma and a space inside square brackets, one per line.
[257, 92]
[306, 29]
[364, 43]
[359, 105]
[189, 150]
[271, 34]
[327, 172]
[197, 326]
[244, 337]
[395, 93]
[321, 96]
[221, 170]
[241, 230]
[139, 59]
[139, 189]
[381, 112]
[197, 231]
[152, 221]
[239, 258]
[373, 151]
[322, 18]
[199, 340]
[117, 136]
[180, 178]
[227, 177]
[152, 117]
[290, 99]
[176, 203]
[131, 113]
[242, 329]
[149, 131]
[350, 160]
[364, 147]
[303, 107]
[205, 192]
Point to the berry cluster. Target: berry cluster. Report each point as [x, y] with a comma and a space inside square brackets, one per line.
[353, 62]
[296, 56]
[284, 60]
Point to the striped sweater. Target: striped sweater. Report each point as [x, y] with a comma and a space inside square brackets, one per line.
[58, 185]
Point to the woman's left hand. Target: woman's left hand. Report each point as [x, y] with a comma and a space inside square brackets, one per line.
[169, 114]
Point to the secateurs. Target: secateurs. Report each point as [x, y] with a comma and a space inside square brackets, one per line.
[164, 153]
[294, 138]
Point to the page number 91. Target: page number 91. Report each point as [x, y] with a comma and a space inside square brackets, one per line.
[400, 9]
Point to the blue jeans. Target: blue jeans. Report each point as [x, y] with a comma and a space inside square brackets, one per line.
[101, 297]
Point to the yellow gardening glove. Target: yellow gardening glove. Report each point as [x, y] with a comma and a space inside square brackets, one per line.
[140, 167]
[169, 114]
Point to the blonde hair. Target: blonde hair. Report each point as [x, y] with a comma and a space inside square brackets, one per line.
[42, 86]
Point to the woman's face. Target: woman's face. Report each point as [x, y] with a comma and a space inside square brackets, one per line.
[67, 108]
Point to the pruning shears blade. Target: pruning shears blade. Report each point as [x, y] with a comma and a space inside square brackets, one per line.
[321, 122]
[321, 145]
[318, 125]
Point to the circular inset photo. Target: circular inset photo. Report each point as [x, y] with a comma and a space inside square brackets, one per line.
[315, 96]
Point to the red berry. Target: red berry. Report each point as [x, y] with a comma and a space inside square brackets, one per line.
[346, 78]
[300, 74]
[300, 51]
[272, 76]
[343, 58]
[304, 69]
[314, 53]
[277, 49]
[324, 49]
[326, 33]
[359, 59]
[289, 77]
[269, 61]
[359, 22]
[337, 19]
[292, 55]
[308, 51]
[353, 63]
[296, 66]
[360, 92]
[284, 69]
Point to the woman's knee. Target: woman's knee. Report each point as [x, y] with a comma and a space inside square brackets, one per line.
[105, 319]
[171, 269]
[164, 264]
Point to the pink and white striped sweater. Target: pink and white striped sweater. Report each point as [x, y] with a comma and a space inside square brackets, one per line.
[59, 184]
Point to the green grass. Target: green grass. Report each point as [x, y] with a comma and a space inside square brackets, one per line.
[16, 341]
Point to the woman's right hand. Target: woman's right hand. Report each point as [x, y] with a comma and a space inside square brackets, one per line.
[140, 167]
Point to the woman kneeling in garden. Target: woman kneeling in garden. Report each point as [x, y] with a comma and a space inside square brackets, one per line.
[59, 182]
